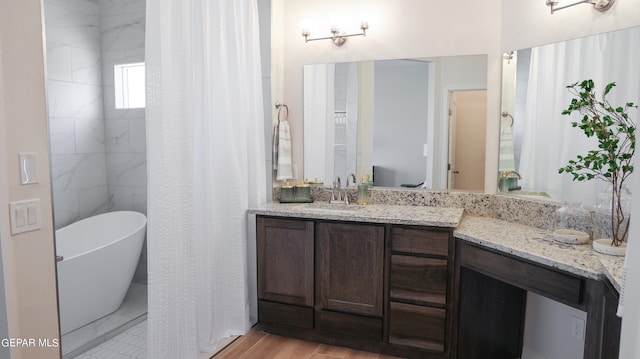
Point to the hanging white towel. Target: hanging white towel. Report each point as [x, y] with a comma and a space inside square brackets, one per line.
[507, 158]
[275, 144]
[283, 154]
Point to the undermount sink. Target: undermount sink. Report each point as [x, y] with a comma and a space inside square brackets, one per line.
[330, 207]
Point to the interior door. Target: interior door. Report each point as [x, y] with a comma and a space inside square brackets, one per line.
[451, 167]
[467, 124]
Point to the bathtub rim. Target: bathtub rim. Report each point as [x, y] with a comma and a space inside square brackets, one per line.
[61, 258]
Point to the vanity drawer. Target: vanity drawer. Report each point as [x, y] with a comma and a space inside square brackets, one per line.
[416, 326]
[420, 241]
[418, 279]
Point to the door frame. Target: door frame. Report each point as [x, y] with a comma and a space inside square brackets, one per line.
[442, 167]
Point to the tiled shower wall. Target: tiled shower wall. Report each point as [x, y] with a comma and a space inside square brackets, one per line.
[76, 121]
[122, 25]
[98, 152]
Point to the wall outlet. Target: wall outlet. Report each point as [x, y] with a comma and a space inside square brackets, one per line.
[577, 328]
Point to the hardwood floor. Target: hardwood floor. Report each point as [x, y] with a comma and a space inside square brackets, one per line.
[259, 345]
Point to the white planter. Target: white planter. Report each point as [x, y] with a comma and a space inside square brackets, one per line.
[604, 246]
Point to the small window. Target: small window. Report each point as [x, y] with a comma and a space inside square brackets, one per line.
[129, 85]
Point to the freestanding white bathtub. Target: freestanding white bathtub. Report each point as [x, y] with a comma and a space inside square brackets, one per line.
[100, 255]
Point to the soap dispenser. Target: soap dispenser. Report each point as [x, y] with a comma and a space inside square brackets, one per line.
[363, 192]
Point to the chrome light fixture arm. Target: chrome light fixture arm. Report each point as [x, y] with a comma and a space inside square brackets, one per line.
[337, 38]
[601, 5]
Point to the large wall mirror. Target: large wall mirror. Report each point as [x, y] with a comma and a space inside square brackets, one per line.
[406, 122]
[536, 139]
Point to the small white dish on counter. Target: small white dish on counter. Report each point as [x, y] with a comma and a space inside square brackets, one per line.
[571, 236]
[604, 246]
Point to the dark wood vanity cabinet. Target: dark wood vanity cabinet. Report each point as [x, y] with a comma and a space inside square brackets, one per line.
[420, 282]
[378, 287]
[324, 276]
[285, 271]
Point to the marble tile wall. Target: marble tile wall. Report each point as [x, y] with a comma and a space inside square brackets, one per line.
[76, 121]
[122, 25]
[98, 152]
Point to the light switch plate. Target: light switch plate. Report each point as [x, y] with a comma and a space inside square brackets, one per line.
[28, 167]
[25, 216]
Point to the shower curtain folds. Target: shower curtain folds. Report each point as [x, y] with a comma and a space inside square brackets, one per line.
[206, 168]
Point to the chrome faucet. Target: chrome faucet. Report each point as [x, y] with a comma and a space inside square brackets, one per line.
[345, 196]
[336, 196]
[515, 173]
[351, 175]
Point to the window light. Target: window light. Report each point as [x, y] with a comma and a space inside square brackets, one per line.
[129, 85]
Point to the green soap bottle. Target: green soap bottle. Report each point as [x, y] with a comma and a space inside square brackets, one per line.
[363, 192]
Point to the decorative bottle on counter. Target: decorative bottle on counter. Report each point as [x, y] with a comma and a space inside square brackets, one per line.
[363, 192]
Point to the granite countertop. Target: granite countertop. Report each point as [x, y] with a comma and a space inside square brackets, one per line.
[534, 244]
[539, 246]
[613, 269]
[371, 213]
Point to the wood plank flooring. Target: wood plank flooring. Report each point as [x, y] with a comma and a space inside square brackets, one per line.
[259, 345]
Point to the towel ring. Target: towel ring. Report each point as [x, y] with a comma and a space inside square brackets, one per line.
[279, 106]
[507, 114]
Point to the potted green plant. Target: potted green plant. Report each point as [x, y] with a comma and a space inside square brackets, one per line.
[612, 161]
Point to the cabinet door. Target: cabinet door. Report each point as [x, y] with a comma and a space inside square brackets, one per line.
[285, 260]
[350, 267]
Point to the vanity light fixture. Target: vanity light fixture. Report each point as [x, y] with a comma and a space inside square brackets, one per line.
[601, 5]
[337, 38]
[508, 56]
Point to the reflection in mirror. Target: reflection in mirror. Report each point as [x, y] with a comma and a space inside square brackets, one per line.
[390, 119]
[541, 140]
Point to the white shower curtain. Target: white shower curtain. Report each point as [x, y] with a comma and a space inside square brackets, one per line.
[549, 140]
[206, 166]
[319, 115]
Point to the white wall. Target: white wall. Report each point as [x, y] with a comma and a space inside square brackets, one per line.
[547, 332]
[397, 29]
[630, 337]
[4, 328]
[28, 258]
[529, 23]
